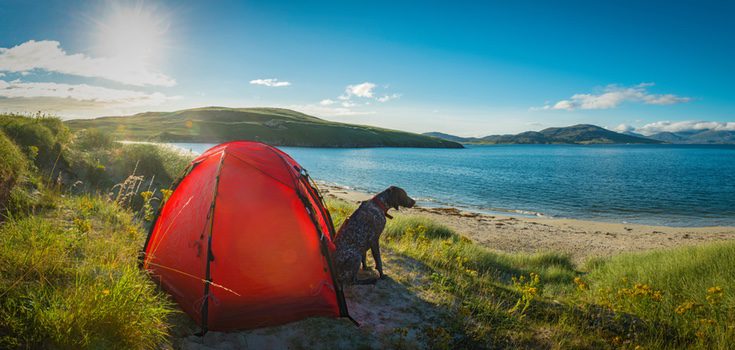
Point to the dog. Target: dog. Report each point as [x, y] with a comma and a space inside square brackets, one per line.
[361, 231]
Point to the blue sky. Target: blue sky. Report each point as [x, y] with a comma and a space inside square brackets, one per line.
[458, 67]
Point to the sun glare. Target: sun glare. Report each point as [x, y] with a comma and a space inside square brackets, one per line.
[134, 33]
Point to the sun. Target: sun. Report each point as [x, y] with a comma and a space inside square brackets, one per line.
[136, 33]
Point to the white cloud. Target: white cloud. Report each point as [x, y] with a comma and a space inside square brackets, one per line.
[15, 90]
[360, 90]
[613, 96]
[47, 55]
[270, 82]
[624, 128]
[356, 95]
[684, 126]
[387, 98]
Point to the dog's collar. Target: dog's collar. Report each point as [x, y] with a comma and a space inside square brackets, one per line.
[382, 207]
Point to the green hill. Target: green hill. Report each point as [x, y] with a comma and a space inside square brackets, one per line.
[575, 134]
[275, 126]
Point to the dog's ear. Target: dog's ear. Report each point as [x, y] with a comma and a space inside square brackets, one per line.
[390, 197]
[394, 193]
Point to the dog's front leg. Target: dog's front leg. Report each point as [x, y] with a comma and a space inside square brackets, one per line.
[364, 261]
[375, 250]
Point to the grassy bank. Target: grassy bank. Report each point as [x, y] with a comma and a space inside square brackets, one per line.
[680, 298]
[73, 216]
[69, 279]
[76, 206]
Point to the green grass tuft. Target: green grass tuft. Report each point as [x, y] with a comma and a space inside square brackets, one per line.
[70, 280]
[685, 295]
[12, 168]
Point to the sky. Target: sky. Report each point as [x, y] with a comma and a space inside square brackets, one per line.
[466, 68]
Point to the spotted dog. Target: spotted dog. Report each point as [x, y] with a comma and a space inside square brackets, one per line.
[361, 231]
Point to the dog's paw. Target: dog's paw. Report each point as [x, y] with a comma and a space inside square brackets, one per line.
[383, 276]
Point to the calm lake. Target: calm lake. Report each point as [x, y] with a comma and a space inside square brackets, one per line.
[673, 185]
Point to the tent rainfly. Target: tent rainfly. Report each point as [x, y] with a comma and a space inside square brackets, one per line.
[245, 241]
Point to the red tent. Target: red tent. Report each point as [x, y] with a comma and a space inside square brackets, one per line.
[244, 241]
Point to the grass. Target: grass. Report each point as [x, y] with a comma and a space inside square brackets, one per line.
[270, 125]
[685, 295]
[69, 279]
[11, 168]
[104, 167]
[680, 298]
[41, 137]
[493, 297]
[68, 256]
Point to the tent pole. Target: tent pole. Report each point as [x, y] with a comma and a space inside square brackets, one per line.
[210, 255]
[341, 302]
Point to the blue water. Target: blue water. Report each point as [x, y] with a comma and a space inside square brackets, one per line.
[649, 184]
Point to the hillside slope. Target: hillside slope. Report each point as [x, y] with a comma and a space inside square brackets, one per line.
[700, 137]
[575, 134]
[450, 137]
[281, 127]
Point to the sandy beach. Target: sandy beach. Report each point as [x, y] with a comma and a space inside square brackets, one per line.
[580, 239]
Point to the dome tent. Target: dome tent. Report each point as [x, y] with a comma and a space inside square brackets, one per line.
[244, 241]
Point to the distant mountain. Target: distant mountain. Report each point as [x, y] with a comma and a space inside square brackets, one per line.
[576, 134]
[449, 137]
[276, 126]
[668, 137]
[705, 136]
[631, 133]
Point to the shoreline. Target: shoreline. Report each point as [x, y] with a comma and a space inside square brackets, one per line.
[581, 239]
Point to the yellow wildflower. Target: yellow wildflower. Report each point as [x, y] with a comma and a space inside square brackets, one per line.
[715, 294]
[167, 194]
[581, 285]
[617, 340]
[146, 195]
[686, 306]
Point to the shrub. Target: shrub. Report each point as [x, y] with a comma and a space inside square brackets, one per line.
[12, 166]
[92, 139]
[149, 161]
[43, 138]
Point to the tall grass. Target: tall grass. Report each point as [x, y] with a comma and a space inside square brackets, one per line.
[664, 299]
[493, 298]
[70, 280]
[684, 296]
[12, 168]
[102, 168]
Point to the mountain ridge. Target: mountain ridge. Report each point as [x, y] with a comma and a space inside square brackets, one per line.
[276, 126]
[697, 137]
[575, 134]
